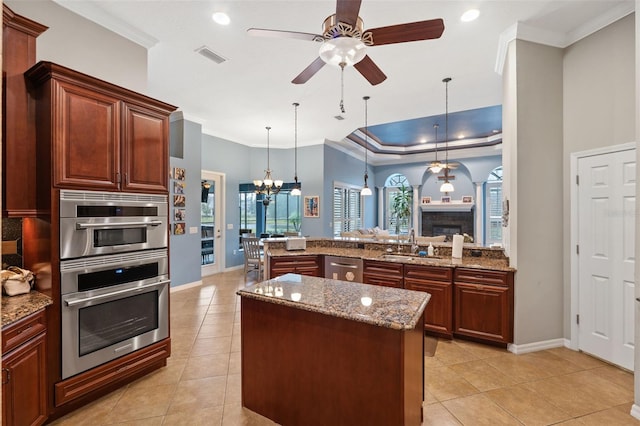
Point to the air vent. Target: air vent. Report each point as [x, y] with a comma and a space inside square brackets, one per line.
[339, 117]
[210, 54]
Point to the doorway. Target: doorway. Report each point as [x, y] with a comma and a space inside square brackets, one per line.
[603, 209]
[211, 220]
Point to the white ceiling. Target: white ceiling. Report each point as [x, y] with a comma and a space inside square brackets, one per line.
[235, 100]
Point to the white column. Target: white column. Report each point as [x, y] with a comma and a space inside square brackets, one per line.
[381, 197]
[417, 222]
[480, 214]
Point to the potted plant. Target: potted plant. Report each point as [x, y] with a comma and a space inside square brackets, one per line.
[401, 206]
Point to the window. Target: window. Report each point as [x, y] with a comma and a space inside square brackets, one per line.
[493, 193]
[392, 184]
[347, 209]
[283, 212]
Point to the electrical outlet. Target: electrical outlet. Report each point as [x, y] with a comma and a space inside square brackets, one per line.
[235, 252]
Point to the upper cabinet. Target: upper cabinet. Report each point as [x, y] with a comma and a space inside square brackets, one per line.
[99, 135]
[18, 109]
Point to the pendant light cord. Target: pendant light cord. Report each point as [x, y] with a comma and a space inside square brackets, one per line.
[295, 141]
[342, 65]
[268, 131]
[446, 120]
[366, 132]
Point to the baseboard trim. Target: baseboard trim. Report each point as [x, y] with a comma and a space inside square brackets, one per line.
[186, 286]
[535, 346]
[635, 411]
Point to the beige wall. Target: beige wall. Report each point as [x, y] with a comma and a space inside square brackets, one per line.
[535, 153]
[599, 109]
[82, 45]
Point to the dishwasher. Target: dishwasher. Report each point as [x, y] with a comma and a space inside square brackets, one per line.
[343, 268]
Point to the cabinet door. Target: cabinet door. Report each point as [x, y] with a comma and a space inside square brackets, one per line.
[86, 138]
[24, 391]
[438, 316]
[388, 274]
[483, 311]
[146, 150]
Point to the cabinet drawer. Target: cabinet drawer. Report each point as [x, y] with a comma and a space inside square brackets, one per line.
[19, 332]
[481, 276]
[383, 268]
[434, 273]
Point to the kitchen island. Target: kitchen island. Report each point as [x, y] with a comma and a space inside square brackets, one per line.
[317, 351]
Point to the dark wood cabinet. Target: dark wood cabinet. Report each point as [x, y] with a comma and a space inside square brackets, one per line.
[483, 304]
[99, 135]
[310, 265]
[24, 378]
[436, 281]
[18, 109]
[389, 274]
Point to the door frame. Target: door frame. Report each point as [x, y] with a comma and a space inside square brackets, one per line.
[219, 243]
[573, 171]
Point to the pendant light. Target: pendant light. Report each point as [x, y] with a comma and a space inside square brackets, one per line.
[365, 189]
[446, 186]
[435, 166]
[296, 186]
[267, 186]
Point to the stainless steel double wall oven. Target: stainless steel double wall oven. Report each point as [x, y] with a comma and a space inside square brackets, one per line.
[114, 275]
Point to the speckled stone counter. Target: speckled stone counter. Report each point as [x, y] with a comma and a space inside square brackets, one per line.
[382, 306]
[15, 308]
[377, 252]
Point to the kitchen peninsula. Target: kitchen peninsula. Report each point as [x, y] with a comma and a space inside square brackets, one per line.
[332, 352]
[471, 297]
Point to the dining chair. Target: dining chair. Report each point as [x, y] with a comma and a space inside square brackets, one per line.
[252, 257]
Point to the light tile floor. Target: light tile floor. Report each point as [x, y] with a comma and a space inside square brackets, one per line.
[466, 383]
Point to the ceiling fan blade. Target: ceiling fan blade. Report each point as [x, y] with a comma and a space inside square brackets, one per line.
[309, 71]
[414, 31]
[261, 32]
[347, 11]
[370, 71]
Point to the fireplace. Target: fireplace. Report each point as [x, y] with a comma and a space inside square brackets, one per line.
[447, 223]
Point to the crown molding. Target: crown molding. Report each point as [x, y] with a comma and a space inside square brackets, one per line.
[523, 31]
[100, 16]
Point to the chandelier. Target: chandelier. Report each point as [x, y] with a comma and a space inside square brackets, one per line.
[296, 186]
[267, 186]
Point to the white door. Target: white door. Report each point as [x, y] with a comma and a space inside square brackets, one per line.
[211, 220]
[606, 233]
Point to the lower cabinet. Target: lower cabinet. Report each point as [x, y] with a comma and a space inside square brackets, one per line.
[483, 304]
[24, 387]
[389, 274]
[438, 316]
[303, 265]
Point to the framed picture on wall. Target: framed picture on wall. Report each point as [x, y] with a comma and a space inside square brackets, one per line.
[426, 200]
[179, 173]
[178, 187]
[179, 201]
[178, 228]
[179, 215]
[445, 199]
[312, 206]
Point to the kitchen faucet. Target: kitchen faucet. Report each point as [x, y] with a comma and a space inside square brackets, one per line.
[412, 240]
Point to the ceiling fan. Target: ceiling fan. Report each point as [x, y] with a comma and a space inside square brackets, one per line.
[344, 41]
[436, 166]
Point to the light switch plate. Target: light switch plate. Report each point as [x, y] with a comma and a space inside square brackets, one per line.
[229, 225]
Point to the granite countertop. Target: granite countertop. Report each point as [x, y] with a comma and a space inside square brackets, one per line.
[495, 264]
[15, 308]
[389, 307]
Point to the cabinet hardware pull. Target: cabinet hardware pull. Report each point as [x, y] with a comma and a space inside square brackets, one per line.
[25, 329]
[126, 178]
[116, 225]
[6, 370]
[85, 300]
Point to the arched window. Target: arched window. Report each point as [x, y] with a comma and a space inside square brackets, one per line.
[392, 185]
[493, 203]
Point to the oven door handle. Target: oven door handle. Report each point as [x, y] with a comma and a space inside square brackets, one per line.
[86, 300]
[116, 225]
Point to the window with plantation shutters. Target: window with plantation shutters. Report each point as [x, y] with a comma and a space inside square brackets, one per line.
[493, 191]
[347, 209]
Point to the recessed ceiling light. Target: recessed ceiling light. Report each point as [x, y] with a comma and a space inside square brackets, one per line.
[423, 140]
[221, 18]
[496, 131]
[461, 136]
[470, 15]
